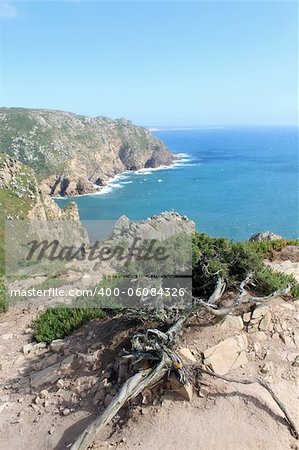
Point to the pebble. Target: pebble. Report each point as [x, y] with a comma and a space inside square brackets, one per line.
[66, 411]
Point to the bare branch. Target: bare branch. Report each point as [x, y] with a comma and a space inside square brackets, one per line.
[218, 292]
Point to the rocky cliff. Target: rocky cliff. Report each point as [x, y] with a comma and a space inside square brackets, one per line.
[73, 154]
[21, 198]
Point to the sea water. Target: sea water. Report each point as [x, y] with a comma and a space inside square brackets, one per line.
[231, 181]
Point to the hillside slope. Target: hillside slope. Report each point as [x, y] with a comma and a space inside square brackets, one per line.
[21, 199]
[73, 154]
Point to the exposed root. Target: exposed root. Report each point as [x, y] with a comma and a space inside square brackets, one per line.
[157, 348]
[279, 403]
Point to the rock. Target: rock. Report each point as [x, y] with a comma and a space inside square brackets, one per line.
[260, 312]
[232, 323]
[49, 375]
[66, 411]
[28, 347]
[286, 339]
[259, 336]
[67, 363]
[186, 355]
[57, 345]
[99, 397]
[267, 367]
[60, 383]
[44, 393]
[158, 227]
[49, 361]
[183, 390]
[265, 236]
[265, 323]
[119, 145]
[227, 355]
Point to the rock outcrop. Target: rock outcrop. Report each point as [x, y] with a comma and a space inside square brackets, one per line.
[21, 198]
[158, 227]
[73, 154]
[265, 236]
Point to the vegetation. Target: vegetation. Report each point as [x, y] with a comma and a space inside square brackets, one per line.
[2, 296]
[233, 261]
[58, 322]
[212, 258]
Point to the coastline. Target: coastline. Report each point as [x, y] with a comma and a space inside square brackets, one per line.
[112, 182]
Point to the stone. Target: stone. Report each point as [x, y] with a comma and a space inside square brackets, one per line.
[287, 340]
[186, 355]
[183, 390]
[265, 236]
[99, 397]
[260, 312]
[60, 384]
[227, 355]
[67, 363]
[44, 393]
[66, 411]
[259, 336]
[265, 323]
[267, 367]
[232, 323]
[49, 361]
[27, 348]
[57, 345]
[49, 375]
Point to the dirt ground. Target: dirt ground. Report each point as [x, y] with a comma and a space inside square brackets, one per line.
[49, 412]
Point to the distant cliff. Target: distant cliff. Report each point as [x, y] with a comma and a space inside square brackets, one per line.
[73, 154]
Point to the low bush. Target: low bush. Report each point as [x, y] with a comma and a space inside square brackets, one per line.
[2, 296]
[58, 322]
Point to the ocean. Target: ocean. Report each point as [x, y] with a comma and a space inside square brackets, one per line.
[231, 181]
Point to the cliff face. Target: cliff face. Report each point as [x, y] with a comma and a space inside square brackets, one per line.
[74, 154]
[21, 198]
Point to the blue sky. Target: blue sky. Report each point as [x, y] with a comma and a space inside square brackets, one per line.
[156, 63]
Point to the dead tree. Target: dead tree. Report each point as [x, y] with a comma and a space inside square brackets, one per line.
[158, 349]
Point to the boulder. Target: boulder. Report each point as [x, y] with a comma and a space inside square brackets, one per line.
[265, 236]
[47, 376]
[232, 323]
[57, 345]
[227, 355]
[158, 227]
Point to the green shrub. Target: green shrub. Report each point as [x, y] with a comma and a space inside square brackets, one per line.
[214, 257]
[58, 322]
[2, 296]
[268, 281]
[268, 248]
